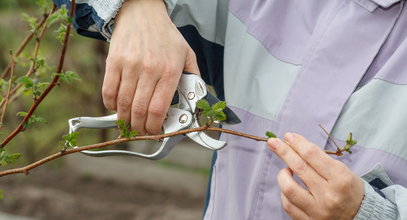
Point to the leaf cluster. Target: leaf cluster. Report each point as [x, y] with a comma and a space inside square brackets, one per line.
[31, 22]
[350, 142]
[32, 86]
[71, 140]
[67, 77]
[213, 113]
[33, 119]
[62, 17]
[124, 128]
[6, 158]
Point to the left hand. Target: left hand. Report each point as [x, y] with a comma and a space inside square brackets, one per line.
[332, 190]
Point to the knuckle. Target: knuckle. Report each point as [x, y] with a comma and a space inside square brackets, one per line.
[149, 66]
[123, 103]
[156, 110]
[333, 201]
[300, 168]
[309, 151]
[288, 191]
[139, 111]
[108, 94]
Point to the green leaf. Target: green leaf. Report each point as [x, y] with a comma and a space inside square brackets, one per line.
[221, 116]
[350, 142]
[26, 81]
[1, 194]
[219, 106]
[31, 21]
[71, 139]
[61, 31]
[203, 105]
[67, 77]
[33, 119]
[124, 129]
[270, 134]
[6, 158]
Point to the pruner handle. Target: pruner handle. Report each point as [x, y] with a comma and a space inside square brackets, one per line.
[177, 119]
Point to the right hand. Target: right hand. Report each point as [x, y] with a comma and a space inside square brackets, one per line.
[147, 56]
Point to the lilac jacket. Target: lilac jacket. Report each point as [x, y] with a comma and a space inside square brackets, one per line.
[291, 65]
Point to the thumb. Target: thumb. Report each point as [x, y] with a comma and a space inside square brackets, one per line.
[191, 64]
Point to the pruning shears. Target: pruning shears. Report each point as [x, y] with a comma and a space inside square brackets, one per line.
[190, 90]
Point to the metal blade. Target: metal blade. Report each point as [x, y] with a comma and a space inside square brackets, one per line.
[231, 117]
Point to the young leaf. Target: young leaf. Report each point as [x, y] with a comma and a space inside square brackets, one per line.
[270, 134]
[61, 31]
[71, 139]
[219, 106]
[33, 119]
[124, 129]
[31, 21]
[349, 143]
[26, 81]
[221, 116]
[67, 77]
[203, 105]
[6, 158]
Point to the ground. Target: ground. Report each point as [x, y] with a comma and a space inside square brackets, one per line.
[48, 194]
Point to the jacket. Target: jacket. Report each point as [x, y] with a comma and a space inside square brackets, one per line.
[290, 66]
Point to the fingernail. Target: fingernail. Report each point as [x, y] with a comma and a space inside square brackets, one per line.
[273, 143]
[289, 137]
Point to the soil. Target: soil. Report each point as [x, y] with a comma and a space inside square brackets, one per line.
[50, 195]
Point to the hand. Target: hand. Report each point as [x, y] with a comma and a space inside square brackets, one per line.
[332, 190]
[146, 58]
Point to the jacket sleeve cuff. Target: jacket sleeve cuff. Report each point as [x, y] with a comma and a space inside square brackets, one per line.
[375, 207]
[107, 11]
[111, 8]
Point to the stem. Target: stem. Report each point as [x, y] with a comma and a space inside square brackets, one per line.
[8, 91]
[32, 68]
[26, 40]
[338, 149]
[53, 83]
[64, 152]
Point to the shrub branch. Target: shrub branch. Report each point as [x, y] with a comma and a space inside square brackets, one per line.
[53, 83]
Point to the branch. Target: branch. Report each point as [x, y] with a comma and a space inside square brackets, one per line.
[26, 40]
[32, 68]
[64, 152]
[53, 83]
[8, 91]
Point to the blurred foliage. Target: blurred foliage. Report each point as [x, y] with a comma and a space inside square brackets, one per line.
[84, 57]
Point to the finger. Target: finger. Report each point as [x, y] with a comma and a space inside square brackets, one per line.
[125, 96]
[160, 103]
[142, 97]
[293, 211]
[293, 191]
[111, 83]
[312, 154]
[301, 168]
[191, 64]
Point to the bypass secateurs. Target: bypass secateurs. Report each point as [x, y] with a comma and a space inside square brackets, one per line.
[191, 88]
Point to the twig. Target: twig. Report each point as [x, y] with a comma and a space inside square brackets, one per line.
[53, 83]
[32, 68]
[27, 168]
[3, 113]
[26, 40]
[331, 138]
[64, 152]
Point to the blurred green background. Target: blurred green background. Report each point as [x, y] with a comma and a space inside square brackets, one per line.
[77, 186]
